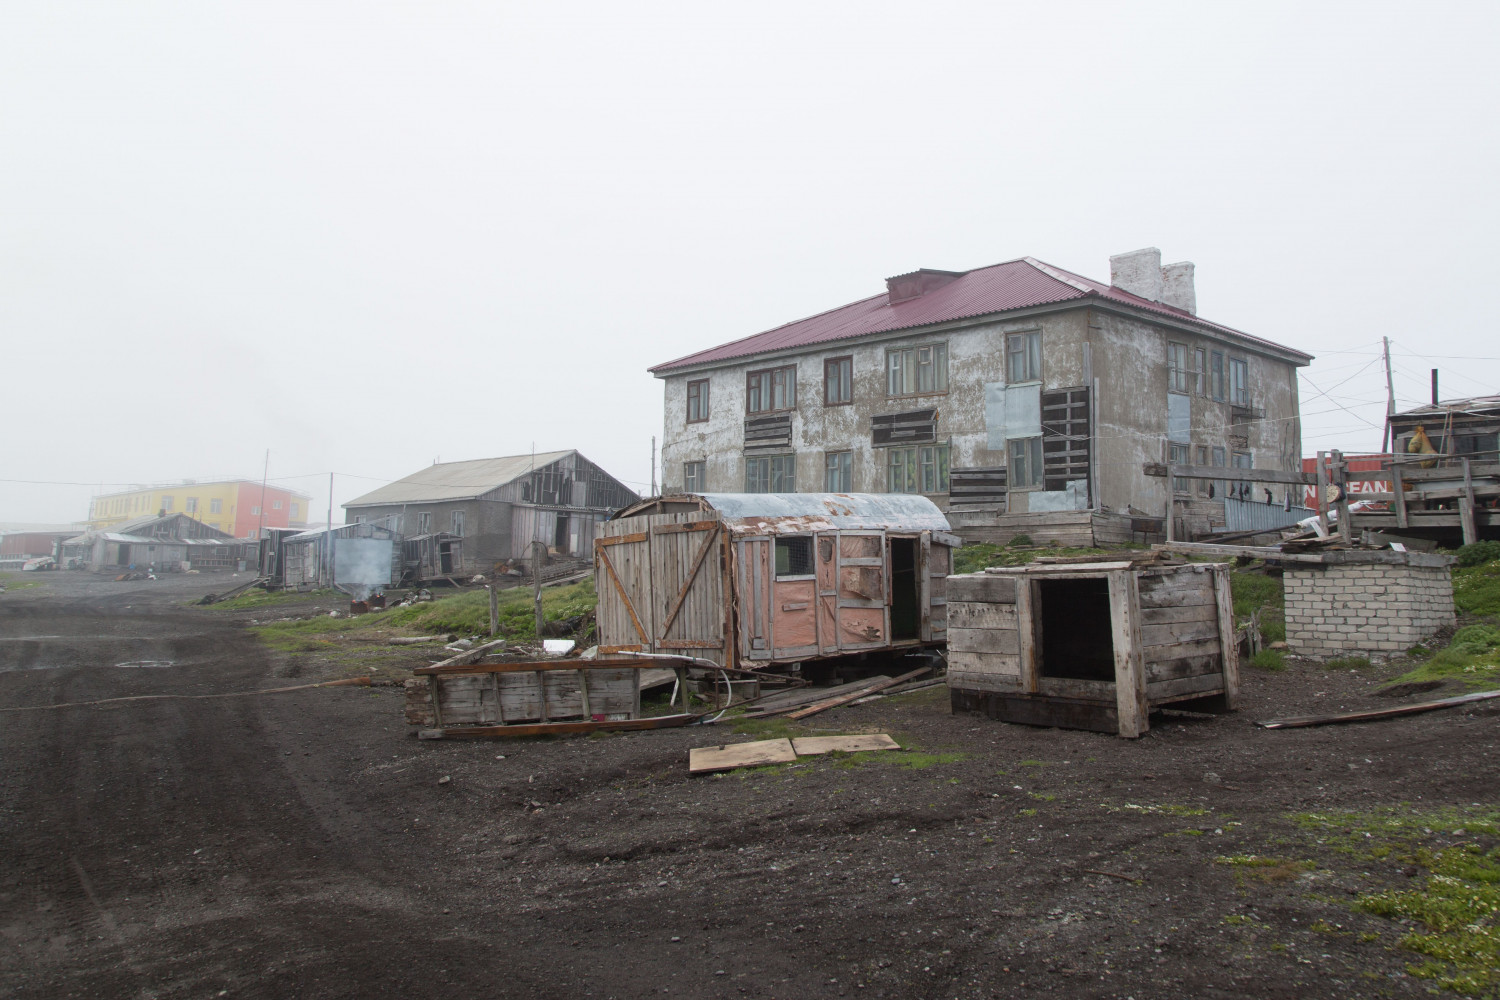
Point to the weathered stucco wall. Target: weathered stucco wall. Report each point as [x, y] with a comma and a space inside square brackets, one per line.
[1125, 354]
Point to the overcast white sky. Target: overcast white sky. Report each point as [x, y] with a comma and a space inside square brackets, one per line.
[366, 236]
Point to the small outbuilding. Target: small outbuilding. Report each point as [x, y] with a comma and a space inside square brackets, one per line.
[1092, 645]
[753, 579]
[356, 558]
[439, 556]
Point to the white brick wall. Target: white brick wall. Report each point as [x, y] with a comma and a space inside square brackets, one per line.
[1376, 609]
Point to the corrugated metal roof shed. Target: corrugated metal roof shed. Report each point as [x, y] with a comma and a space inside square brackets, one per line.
[1473, 404]
[457, 480]
[772, 513]
[1016, 284]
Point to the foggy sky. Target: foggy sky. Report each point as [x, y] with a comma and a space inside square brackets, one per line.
[366, 236]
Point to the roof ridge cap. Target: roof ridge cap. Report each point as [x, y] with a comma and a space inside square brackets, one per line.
[1058, 274]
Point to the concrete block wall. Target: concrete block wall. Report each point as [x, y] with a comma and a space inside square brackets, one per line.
[1378, 609]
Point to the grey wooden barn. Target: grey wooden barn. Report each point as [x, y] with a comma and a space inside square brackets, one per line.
[1093, 645]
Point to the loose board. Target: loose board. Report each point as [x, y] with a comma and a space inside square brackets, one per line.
[806, 746]
[702, 760]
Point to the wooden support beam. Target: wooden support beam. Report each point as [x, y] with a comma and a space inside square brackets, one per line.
[1466, 507]
[1247, 475]
[1130, 672]
[1229, 635]
[1399, 489]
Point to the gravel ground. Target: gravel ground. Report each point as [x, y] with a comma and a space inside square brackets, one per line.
[304, 844]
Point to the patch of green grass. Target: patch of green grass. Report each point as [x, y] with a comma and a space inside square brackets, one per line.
[257, 598]
[466, 613]
[1478, 553]
[1252, 591]
[20, 581]
[1043, 796]
[1379, 832]
[1027, 812]
[1472, 657]
[769, 729]
[919, 761]
[1265, 869]
[1456, 908]
[1269, 659]
[1476, 589]
[1164, 809]
[976, 557]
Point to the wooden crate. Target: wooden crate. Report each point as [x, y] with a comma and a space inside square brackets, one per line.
[1093, 645]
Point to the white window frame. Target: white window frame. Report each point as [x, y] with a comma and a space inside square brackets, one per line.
[1027, 469]
[694, 477]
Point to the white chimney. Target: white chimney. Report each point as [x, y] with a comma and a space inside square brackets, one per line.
[1137, 272]
[1140, 272]
[1177, 287]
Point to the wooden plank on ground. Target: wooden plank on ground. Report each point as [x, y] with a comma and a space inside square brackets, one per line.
[704, 760]
[1383, 713]
[807, 746]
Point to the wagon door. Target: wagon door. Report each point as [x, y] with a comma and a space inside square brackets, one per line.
[622, 579]
[753, 584]
[863, 614]
[687, 560]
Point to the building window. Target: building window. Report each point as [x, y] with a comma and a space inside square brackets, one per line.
[693, 480]
[253, 533]
[1177, 376]
[911, 371]
[1025, 463]
[794, 557]
[772, 389]
[1023, 357]
[1200, 369]
[457, 517]
[275, 504]
[166, 503]
[294, 511]
[1177, 454]
[697, 401]
[838, 467]
[1239, 382]
[918, 470]
[215, 505]
[424, 523]
[190, 505]
[254, 511]
[1216, 374]
[771, 474]
[838, 381]
[1202, 486]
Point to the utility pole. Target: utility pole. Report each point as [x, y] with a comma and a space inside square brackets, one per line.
[260, 529]
[328, 534]
[653, 465]
[1390, 398]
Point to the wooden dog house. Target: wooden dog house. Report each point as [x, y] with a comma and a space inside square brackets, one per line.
[751, 579]
[1092, 645]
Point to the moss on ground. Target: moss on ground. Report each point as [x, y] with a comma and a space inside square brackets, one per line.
[1455, 913]
[257, 598]
[1472, 658]
[20, 581]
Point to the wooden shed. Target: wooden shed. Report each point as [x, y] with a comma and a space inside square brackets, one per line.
[1092, 645]
[437, 556]
[751, 579]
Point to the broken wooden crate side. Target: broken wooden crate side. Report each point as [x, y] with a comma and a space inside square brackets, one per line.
[500, 694]
[1170, 631]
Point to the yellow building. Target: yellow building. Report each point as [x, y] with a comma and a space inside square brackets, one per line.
[238, 506]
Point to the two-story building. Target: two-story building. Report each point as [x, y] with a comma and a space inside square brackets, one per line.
[1022, 398]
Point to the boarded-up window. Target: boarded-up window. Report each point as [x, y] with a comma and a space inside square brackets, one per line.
[1066, 443]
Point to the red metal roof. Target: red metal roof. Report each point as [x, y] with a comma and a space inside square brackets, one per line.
[1015, 284]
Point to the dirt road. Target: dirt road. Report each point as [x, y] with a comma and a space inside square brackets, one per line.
[302, 845]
